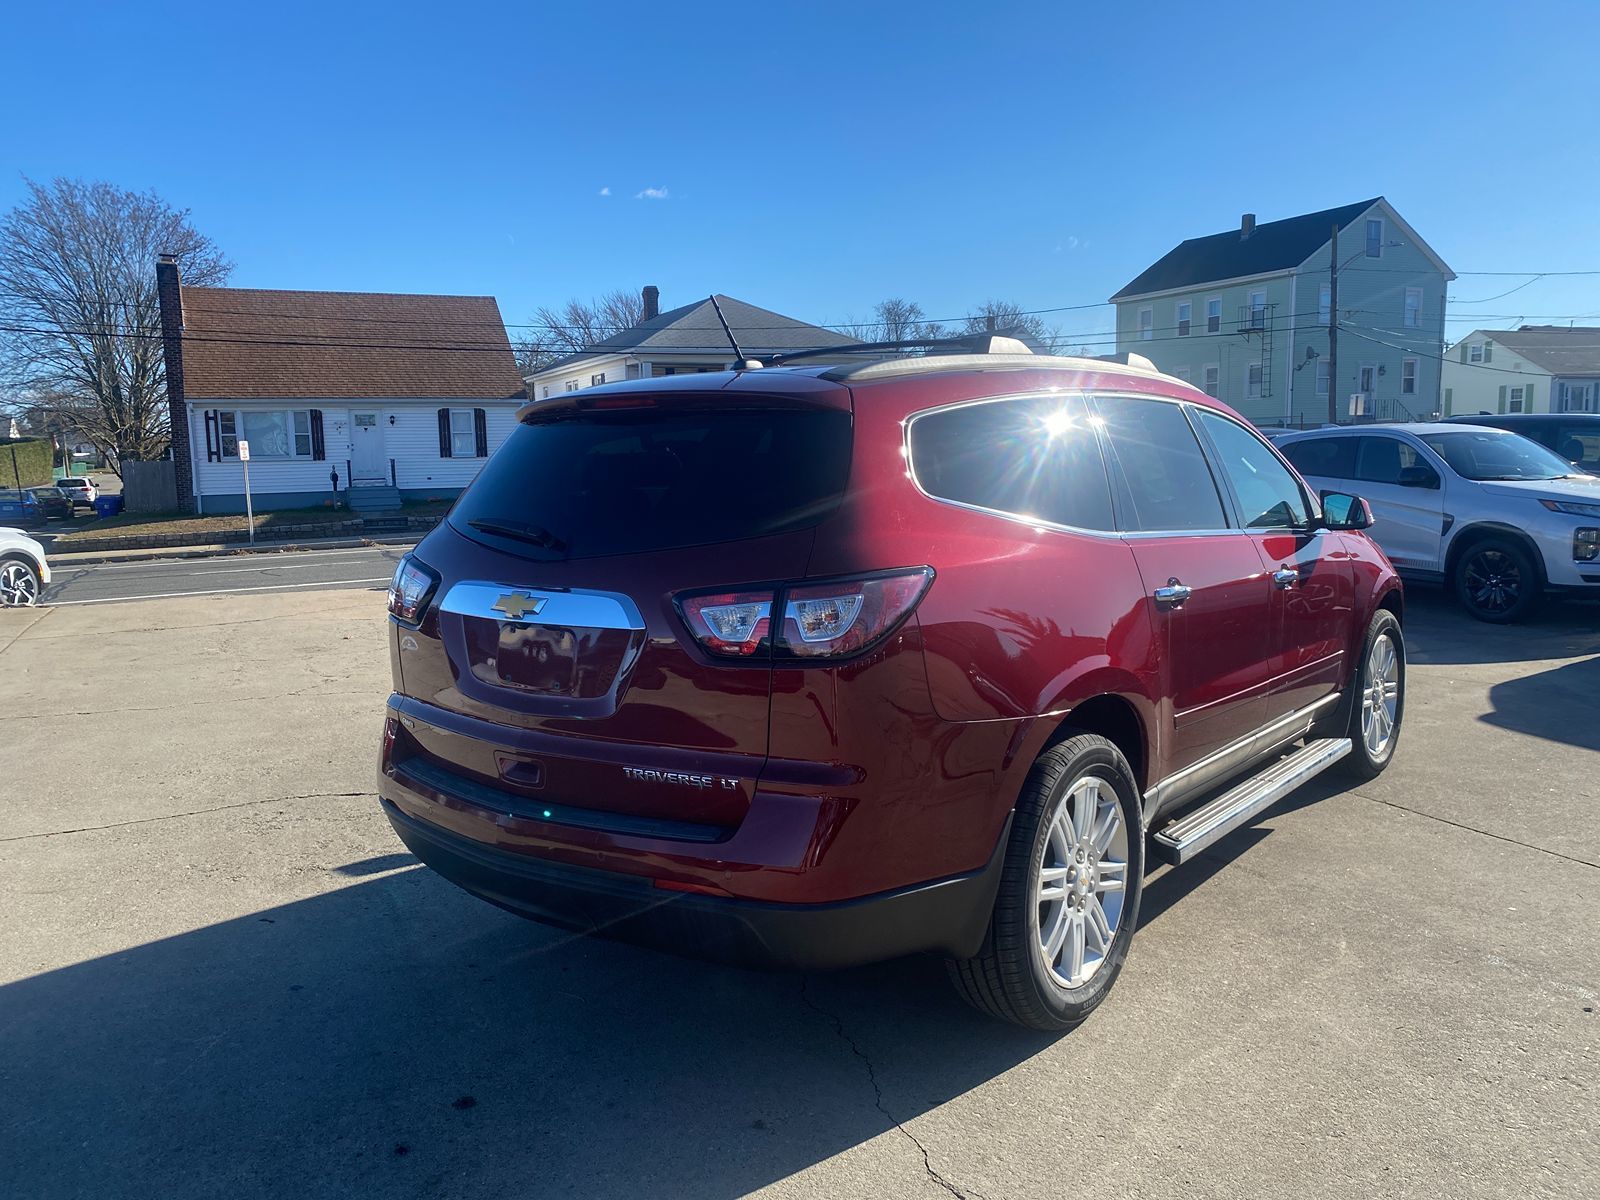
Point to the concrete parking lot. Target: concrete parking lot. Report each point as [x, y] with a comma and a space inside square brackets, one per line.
[221, 975]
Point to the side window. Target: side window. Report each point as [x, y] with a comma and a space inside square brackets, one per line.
[1328, 457]
[1164, 478]
[1269, 496]
[1579, 444]
[1036, 457]
[1381, 459]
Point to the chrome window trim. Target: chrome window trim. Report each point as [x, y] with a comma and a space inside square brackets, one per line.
[1040, 523]
[564, 609]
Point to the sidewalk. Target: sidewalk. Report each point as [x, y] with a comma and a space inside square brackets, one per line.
[85, 558]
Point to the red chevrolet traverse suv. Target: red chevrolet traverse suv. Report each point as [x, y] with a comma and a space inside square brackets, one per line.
[813, 666]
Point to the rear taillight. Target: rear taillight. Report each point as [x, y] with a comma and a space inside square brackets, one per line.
[410, 590]
[730, 624]
[835, 619]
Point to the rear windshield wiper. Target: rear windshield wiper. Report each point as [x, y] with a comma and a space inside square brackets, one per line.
[534, 535]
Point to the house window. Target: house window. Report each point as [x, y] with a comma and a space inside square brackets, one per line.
[1210, 375]
[1146, 324]
[1180, 373]
[1324, 303]
[1214, 315]
[463, 436]
[1252, 382]
[271, 434]
[267, 433]
[572, 385]
[597, 380]
[1185, 318]
[1514, 400]
[1408, 377]
[228, 429]
[300, 424]
[1375, 238]
[1258, 310]
[1480, 352]
[1322, 377]
[546, 395]
[1413, 307]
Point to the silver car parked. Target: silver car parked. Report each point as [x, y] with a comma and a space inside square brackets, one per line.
[1493, 515]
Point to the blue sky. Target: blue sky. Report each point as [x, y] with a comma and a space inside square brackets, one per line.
[815, 158]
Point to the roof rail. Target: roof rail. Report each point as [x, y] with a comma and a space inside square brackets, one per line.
[976, 343]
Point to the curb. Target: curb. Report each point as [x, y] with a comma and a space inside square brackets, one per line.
[88, 558]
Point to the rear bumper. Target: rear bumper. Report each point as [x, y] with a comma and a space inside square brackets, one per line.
[949, 916]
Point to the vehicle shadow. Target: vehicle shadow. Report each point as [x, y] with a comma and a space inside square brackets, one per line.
[1440, 633]
[1558, 705]
[398, 1038]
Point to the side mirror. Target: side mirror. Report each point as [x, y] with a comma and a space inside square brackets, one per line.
[1419, 476]
[1343, 511]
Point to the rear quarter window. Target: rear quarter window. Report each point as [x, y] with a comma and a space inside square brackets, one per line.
[1036, 457]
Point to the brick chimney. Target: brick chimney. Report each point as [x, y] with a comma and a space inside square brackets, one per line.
[652, 301]
[169, 296]
[1247, 226]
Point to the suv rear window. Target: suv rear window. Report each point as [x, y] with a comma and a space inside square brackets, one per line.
[1035, 457]
[621, 482]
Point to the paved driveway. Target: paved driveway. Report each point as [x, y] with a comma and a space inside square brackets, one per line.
[221, 976]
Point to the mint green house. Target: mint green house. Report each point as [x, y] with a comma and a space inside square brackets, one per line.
[1244, 316]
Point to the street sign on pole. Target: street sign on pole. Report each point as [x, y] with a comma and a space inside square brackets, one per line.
[249, 508]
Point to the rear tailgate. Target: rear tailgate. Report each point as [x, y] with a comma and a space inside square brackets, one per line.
[554, 666]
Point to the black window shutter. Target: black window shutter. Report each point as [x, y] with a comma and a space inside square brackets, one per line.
[319, 451]
[444, 433]
[213, 437]
[480, 430]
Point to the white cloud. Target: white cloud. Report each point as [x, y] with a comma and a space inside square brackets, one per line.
[605, 191]
[651, 193]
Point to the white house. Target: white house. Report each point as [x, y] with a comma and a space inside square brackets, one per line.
[684, 341]
[1534, 369]
[375, 397]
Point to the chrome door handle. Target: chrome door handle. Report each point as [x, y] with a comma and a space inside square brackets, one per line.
[1285, 577]
[1174, 594]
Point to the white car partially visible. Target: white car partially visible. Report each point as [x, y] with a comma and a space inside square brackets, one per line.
[24, 573]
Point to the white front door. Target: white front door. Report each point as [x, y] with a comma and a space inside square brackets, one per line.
[368, 463]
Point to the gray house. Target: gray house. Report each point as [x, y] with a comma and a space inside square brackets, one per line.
[683, 341]
[1244, 315]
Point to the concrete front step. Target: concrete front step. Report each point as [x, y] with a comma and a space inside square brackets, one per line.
[373, 499]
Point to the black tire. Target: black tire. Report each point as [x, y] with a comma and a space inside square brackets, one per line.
[1498, 581]
[1009, 978]
[18, 572]
[1363, 762]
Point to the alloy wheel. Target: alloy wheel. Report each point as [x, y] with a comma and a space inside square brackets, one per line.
[1081, 882]
[18, 586]
[1493, 581]
[1380, 696]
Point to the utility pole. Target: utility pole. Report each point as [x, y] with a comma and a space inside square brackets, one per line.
[1333, 329]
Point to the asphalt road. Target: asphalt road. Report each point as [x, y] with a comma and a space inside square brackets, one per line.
[221, 975]
[281, 571]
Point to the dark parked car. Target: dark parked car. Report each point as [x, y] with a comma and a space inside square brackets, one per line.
[1574, 436]
[53, 503]
[819, 666]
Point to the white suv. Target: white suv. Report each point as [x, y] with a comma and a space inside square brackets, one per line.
[80, 489]
[1495, 516]
[23, 570]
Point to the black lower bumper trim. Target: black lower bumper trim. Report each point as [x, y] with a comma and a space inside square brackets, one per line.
[949, 916]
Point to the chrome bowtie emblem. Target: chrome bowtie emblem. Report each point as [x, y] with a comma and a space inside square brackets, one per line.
[517, 605]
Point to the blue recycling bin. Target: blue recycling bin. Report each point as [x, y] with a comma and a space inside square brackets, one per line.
[107, 506]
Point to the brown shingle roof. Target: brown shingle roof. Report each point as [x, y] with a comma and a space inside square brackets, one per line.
[247, 343]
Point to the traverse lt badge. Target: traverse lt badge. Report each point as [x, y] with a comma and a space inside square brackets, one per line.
[518, 605]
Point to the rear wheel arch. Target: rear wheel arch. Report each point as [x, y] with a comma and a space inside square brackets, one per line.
[1118, 720]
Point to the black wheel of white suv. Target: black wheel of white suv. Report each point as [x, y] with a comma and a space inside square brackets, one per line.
[1498, 581]
[1377, 702]
[1069, 891]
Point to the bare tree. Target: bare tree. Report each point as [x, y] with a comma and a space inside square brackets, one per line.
[895, 320]
[78, 301]
[1003, 317]
[576, 326]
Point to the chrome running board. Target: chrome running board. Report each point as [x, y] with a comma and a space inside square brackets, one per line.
[1186, 837]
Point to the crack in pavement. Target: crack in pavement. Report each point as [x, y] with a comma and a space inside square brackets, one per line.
[198, 812]
[877, 1092]
[1499, 837]
[27, 629]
